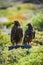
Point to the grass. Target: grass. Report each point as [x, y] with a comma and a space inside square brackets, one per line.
[34, 58]
[37, 21]
[23, 56]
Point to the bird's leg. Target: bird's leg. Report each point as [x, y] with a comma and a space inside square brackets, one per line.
[14, 44]
[27, 43]
[17, 44]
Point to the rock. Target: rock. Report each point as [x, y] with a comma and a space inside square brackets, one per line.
[41, 1]
[3, 19]
[20, 46]
[32, 1]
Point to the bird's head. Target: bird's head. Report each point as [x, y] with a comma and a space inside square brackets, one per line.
[16, 23]
[30, 26]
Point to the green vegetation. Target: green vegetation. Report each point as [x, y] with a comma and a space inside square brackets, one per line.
[34, 58]
[22, 56]
[4, 39]
[37, 21]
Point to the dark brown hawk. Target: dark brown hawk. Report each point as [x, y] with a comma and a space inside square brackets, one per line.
[16, 33]
[29, 34]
